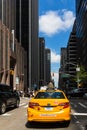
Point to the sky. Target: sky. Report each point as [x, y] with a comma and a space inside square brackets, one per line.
[56, 18]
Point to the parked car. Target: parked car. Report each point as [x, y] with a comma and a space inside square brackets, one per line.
[79, 92]
[85, 96]
[49, 105]
[8, 98]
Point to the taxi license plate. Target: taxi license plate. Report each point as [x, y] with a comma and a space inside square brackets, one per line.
[48, 108]
[48, 115]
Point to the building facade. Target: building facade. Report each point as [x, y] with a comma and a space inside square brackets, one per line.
[68, 61]
[27, 34]
[12, 60]
[72, 52]
[42, 61]
[8, 13]
[11, 53]
[62, 69]
[47, 65]
[81, 31]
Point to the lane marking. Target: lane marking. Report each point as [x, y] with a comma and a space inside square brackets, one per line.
[6, 114]
[74, 104]
[22, 104]
[79, 114]
[25, 106]
[82, 105]
[73, 112]
[75, 116]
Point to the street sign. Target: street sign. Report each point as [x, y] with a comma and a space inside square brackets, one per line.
[65, 75]
[78, 69]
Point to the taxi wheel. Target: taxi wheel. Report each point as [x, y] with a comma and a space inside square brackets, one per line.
[66, 123]
[30, 124]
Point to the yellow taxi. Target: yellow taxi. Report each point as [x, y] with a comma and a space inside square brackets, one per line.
[49, 105]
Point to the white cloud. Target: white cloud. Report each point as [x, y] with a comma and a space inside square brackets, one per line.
[54, 21]
[68, 19]
[55, 58]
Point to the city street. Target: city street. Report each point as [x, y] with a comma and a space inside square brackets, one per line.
[79, 112]
[43, 46]
[16, 119]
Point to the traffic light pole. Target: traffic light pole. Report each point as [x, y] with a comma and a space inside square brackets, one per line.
[78, 70]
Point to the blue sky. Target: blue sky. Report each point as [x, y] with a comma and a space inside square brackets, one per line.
[56, 18]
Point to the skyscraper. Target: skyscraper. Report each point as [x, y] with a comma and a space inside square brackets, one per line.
[81, 31]
[47, 65]
[72, 51]
[42, 60]
[27, 34]
[12, 55]
[8, 13]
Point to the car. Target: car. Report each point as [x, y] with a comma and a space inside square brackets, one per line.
[85, 96]
[8, 98]
[50, 105]
[78, 92]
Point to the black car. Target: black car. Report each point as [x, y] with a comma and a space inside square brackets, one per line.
[8, 98]
[85, 96]
[79, 92]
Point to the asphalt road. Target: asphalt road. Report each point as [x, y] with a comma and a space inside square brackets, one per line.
[16, 119]
[79, 112]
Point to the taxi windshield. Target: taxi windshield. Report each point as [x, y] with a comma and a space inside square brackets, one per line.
[52, 95]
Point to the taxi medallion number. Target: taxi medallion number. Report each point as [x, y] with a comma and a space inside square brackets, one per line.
[48, 108]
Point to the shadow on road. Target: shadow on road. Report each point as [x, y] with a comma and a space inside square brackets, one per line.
[45, 125]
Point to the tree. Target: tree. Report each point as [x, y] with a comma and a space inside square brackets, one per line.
[81, 76]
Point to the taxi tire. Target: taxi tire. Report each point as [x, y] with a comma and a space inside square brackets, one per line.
[30, 124]
[66, 123]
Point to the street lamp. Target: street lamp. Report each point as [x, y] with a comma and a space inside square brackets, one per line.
[2, 11]
[13, 39]
[78, 70]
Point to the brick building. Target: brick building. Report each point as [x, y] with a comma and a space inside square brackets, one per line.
[13, 64]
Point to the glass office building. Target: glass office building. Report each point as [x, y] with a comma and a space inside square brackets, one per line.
[81, 30]
[27, 35]
[8, 13]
